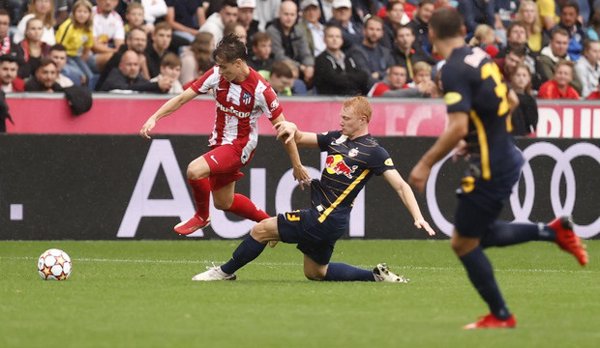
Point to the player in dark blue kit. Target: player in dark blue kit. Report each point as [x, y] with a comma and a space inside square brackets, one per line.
[478, 106]
[353, 157]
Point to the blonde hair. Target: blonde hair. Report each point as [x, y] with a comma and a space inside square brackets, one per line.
[85, 3]
[534, 28]
[359, 105]
[481, 32]
[48, 19]
[421, 66]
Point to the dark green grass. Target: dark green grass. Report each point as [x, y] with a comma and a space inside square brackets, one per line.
[139, 294]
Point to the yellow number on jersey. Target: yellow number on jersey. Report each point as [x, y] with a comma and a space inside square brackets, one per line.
[491, 70]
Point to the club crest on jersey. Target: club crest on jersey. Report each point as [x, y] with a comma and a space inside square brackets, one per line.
[335, 164]
[353, 152]
[246, 98]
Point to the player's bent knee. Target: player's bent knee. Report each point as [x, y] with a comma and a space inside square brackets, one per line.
[222, 205]
[260, 233]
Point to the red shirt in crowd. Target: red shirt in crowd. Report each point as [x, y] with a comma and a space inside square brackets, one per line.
[550, 90]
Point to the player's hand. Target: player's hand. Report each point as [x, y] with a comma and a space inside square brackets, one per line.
[460, 151]
[285, 130]
[418, 176]
[422, 224]
[301, 175]
[147, 127]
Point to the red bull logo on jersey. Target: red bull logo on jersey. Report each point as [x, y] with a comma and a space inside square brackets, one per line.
[335, 164]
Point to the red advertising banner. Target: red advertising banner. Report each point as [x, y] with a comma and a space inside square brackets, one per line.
[118, 114]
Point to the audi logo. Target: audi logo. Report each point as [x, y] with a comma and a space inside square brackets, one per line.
[522, 211]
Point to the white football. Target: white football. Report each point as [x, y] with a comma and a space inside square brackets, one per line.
[54, 264]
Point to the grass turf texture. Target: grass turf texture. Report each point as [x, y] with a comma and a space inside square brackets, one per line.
[139, 294]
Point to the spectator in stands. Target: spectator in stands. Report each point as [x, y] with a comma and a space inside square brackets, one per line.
[422, 75]
[517, 36]
[484, 37]
[282, 77]
[44, 78]
[7, 46]
[262, 57]
[153, 10]
[531, 21]
[505, 11]
[290, 41]
[197, 58]
[547, 11]
[525, 115]
[239, 31]
[335, 72]
[185, 17]
[395, 85]
[8, 75]
[420, 25]
[476, 12]
[216, 22]
[370, 55]
[246, 19]
[134, 18]
[161, 40]
[552, 54]
[34, 49]
[516, 56]
[342, 17]
[44, 11]
[559, 87]
[595, 95]
[127, 77]
[394, 18]
[136, 41]
[405, 52]
[312, 26]
[109, 33]
[58, 54]
[569, 14]
[170, 67]
[75, 34]
[593, 31]
[587, 67]
[265, 12]
[13, 9]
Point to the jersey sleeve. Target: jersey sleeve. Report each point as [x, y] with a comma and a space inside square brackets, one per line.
[209, 80]
[457, 89]
[271, 106]
[324, 139]
[380, 161]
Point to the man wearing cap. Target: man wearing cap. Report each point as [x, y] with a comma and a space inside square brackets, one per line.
[342, 16]
[289, 40]
[246, 19]
[311, 24]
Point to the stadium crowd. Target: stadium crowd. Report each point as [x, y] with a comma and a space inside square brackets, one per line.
[379, 48]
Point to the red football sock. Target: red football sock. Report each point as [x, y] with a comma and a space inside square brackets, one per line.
[201, 190]
[244, 207]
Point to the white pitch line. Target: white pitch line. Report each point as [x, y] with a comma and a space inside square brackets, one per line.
[297, 264]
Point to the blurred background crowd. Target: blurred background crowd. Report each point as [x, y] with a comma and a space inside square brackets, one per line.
[379, 48]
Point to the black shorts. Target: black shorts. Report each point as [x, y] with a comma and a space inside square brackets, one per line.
[479, 208]
[315, 239]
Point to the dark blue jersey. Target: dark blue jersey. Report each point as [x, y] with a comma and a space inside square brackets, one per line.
[473, 84]
[348, 167]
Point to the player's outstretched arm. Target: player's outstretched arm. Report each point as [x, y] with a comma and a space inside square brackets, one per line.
[288, 130]
[300, 173]
[166, 109]
[408, 198]
[458, 126]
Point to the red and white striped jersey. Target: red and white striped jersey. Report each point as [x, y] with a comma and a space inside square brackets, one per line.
[238, 108]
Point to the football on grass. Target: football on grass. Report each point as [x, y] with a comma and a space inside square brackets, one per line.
[54, 264]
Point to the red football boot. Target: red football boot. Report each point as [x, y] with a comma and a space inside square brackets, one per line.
[567, 239]
[192, 225]
[491, 322]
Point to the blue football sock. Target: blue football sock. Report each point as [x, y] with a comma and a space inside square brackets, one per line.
[481, 274]
[340, 272]
[247, 251]
[503, 233]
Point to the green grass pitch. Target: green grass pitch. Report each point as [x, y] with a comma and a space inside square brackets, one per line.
[139, 294]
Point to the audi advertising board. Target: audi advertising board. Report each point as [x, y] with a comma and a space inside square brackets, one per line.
[110, 187]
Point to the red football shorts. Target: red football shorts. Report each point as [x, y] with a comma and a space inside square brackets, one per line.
[225, 163]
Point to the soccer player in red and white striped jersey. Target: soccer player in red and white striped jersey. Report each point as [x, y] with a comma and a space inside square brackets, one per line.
[242, 96]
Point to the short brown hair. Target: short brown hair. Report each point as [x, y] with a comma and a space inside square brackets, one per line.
[170, 60]
[446, 23]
